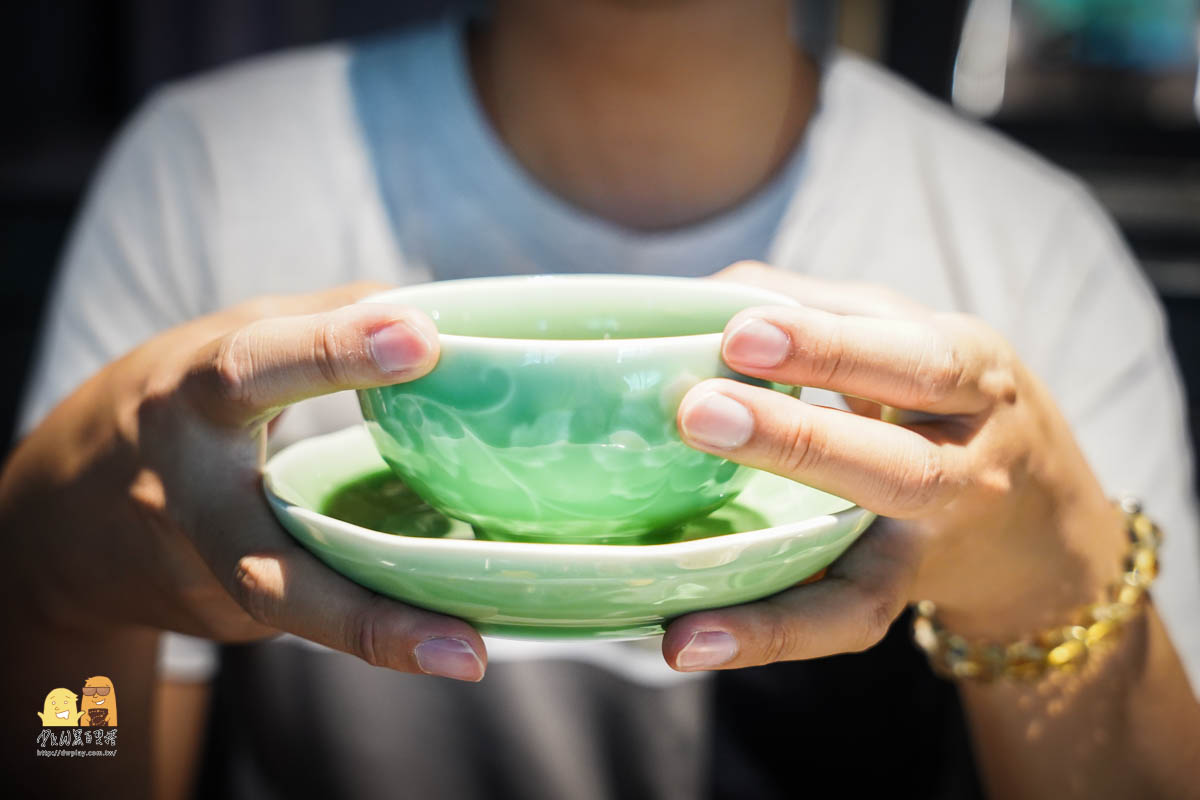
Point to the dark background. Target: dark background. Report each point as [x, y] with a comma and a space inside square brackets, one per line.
[76, 68]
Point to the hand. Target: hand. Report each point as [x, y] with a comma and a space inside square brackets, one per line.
[145, 487]
[987, 506]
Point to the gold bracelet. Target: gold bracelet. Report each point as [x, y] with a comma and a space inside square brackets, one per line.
[1063, 648]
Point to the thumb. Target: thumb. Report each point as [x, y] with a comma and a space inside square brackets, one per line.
[253, 371]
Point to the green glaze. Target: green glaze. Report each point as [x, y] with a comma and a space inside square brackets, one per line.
[551, 413]
[775, 534]
[381, 501]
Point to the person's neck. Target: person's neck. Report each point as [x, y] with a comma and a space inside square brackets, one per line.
[649, 115]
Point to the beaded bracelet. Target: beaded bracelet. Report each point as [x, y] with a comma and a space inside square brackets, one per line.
[1063, 648]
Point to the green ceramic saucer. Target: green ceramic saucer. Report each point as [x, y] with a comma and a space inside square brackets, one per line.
[337, 497]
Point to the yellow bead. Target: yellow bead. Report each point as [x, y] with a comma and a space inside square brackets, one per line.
[967, 669]
[1025, 661]
[1066, 653]
[1145, 562]
[1121, 612]
[924, 634]
[1143, 527]
[1129, 595]
[1097, 631]
[1064, 647]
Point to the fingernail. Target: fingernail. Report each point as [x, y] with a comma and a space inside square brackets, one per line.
[757, 343]
[449, 658]
[707, 649]
[398, 346]
[718, 421]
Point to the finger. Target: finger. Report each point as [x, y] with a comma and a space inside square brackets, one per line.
[837, 297]
[849, 610]
[246, 375]
[886, 468]
[902, 363]
[281, 585]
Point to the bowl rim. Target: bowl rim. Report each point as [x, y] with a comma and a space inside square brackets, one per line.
[770, 297]
[606, 553]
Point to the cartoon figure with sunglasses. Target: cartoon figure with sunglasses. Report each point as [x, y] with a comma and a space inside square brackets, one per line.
[99, 703]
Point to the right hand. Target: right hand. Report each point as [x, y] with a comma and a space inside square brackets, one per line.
[138, 500]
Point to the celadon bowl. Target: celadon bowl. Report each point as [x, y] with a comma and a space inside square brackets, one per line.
[550, 415]
[774, 535]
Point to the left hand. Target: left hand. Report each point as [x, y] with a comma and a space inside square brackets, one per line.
[987, 506]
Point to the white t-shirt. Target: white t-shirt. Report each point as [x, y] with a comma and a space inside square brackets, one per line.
[261, 179]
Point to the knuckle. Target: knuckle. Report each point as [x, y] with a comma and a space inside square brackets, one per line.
[151, 409]
[781, 644]
[994, 481]
[325, 350]
[920, 491]
[999, 383]
[254, 589]
[232, 369]
[825, 355]
[1002, 388]
[939, 373]
[148, 497]
[366, 637]
[828, 356]
[881, 610]
[797, 448]
[998, 380]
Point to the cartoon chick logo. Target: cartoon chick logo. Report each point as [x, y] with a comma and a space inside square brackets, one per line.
[89, 731]
[99, 706]
[99, 703]
[59, 709]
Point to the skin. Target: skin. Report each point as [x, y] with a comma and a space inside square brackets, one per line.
[991, 510]
[180, 717]
[96, 701]
[158, 455]
[619, 101]
[191, 408]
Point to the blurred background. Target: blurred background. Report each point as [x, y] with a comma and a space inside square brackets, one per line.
[1105, 88]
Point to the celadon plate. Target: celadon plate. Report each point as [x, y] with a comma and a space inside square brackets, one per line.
[774, 535]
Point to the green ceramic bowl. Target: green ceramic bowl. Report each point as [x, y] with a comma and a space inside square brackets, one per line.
[335, 495]
[551, 413]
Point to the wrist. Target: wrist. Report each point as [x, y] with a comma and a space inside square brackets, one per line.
[1088, 629]
[1052, 561]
